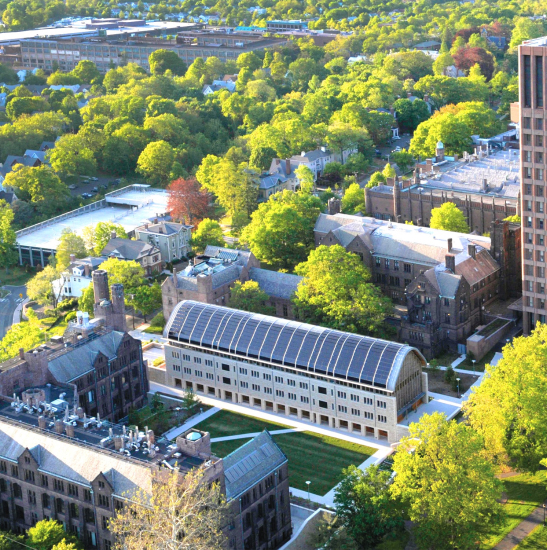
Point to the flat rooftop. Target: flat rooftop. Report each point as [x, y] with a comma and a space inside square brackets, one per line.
[542, 41]
[79, 29]
[130, 207]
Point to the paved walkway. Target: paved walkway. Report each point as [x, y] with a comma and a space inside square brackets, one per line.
[254, 434]
[173, 433]
[145, 336]
[522, 530]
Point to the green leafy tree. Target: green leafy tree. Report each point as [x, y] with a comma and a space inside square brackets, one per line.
[96, 237]
[147, 299]
[330, 534]
[507, 408]
[8, 255]
[446, 483]
[48, 533]
[40, 288]
[249, 296]
[208, 232]
[86, 71]
[156, 162]
[442, 64]
[513, 219]
[281, 229]
[336, 292]
[40, 185]
[71, 155]
[26, 335]
[364, 506]
[443, 90]
[410, 114]
[166, 60]
[249, 60]
[59, 78]
[189, 400]
[377, 178]
[389, 171]
[449, 218]
[25, 105]
[69, 243]
[353, 200]
[305, 178]
[128, 273]
[403, 159]
[8, 75]
[87, 300]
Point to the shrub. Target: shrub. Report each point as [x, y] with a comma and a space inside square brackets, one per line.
[70, 316]
[158, 361]
[449, 375]
[158, 320]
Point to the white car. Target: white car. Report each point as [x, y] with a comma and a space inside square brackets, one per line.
[397, 150]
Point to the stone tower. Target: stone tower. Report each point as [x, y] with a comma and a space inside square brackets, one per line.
[111, 311]
[334, 206]
[439, 151]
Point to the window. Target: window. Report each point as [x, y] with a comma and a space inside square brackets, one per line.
[225, 367]
[73, 490]
[323, 404]
[303, 385]
[244, 385]
[46, 502]
[267, 376]
[355, 412]
[378, 262]
[527, 81]
[539, 141]
[104, 501]
[342, 409]
[186, 357]
[368, 400]
[255, 387]
[208, 362]
[58, 485]
[29, 475]
[342, 395]
[87, 495]
[285, 310]
[291, 382]
[381, 404]
[526, 122]
[322, 390]
[354, 398]
[279, 393]
[386, 263]
[446, 302]
[292, 396]
[15, 471]
[278, 380]
[255, 374]
[104, 522]
[408, 268]
[539, 83]
[382, 418]
[368, 415]
[304, 399]
[242, 371]
[226, 380]
[269, 391]
[209, 376]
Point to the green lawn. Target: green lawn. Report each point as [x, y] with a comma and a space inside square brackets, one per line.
[312, 457]
[16, 276]
[535, 540]
[224, 423]
[525, 492]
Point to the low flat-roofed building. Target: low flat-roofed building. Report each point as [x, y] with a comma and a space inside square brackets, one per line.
[346, 381]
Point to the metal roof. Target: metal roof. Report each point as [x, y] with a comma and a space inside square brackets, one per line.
[309, 348]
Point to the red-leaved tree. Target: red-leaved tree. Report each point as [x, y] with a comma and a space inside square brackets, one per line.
[465, 58]
[188, 201]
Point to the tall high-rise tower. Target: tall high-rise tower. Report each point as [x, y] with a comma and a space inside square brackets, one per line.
[533, 123]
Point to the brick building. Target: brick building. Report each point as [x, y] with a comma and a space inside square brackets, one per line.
[444, 279]
[484, 186]
[210, 278]
[79, 471]
[97, 361]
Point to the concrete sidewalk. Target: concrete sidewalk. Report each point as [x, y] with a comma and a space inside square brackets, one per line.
[522, 530]
[173, 433]
[277, 418]
[254, 434]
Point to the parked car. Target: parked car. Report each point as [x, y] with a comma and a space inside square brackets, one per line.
[104, 186]
[94, 179]
[397, 150]
[95, 189]
[86, 195]
[72, 187]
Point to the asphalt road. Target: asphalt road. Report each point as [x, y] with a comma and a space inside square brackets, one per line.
[8, 306]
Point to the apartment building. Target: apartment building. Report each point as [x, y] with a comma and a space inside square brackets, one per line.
[532, 70]
[342, 380]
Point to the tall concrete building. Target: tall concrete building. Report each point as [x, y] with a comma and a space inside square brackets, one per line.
[532, 71]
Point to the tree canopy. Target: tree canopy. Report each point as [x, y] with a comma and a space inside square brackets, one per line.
[249, 296]
[208, 232]
[449, 218]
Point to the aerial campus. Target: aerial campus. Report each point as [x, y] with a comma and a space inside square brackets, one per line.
[273, 276]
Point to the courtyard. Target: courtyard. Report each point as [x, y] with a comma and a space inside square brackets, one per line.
[312, 457]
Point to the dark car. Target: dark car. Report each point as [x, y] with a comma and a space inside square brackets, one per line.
[95, 189]
[104, 186]
[86, 195]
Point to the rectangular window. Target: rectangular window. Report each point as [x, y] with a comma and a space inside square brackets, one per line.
[279, 393]
[408, 268]
[539, 81]
[292, 396]
[342, 409]
[242, 371]
[278, 380]
[539, 123]
[527, 62]
[322, 390]
[244, 385]
[225, 367]
[255, 387]
[267, 376]
[323, 404]
[226, 380]
[396, 265]
[304, 399]
[382, 418]
[303, 385]
[291, 382]
[355, 412]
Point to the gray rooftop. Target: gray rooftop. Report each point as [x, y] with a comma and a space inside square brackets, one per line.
[274, 283]
[250, 463]
[127, 249]
[301, 346]
[163, 228]
[75, 362]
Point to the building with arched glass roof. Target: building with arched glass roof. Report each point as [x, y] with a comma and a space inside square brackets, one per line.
[344, 380]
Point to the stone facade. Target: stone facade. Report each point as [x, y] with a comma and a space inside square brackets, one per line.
[172, 239]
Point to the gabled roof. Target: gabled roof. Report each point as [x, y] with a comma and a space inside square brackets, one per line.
[127, 249]
[445, 282]
[271, 180]
[478, 268]
[242, 256]
[304, 347]
[62, 457]
[78, 360]
[250, 463]
[274, 283]
[163, 228]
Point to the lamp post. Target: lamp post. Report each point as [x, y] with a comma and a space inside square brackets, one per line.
[308, 484]
[458, 381]
[132, 296]
[544, 514]
[473, 361]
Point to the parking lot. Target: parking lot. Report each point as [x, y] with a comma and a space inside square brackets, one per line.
[86, 186]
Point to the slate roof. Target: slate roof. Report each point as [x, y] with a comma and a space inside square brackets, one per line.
[78, 360]
[474, 270]
[242, 256]
[163, 228]
[66, 458]
[271, 180]
[312, 155]
[444, 281]
[46, 145]
[250, 463]
[226, 276]
[127, 249]
[274, 283]
[308, 348]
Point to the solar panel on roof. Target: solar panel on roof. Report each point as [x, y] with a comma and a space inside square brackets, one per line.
[306, 347]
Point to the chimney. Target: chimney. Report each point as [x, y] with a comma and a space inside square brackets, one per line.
[155, 220]
[409, 94]
[288, 166]
[426, 98]
[484, 185]
[174, 272]
[146, 226]
[72, 258]
[323, 149]
[450, 262]
[303, 154]
[87, 270]
[472, 250]
[21, 353]
[112, 234]
[449, 245]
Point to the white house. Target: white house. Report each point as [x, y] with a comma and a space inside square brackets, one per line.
[76, 277]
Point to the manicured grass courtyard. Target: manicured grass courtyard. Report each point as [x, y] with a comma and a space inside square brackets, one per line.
[312, 457]
[224, 423]
[524, 492]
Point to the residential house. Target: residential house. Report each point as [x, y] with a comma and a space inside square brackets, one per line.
[76, 277]
[269, 184]
[147, 255]
[218, 85]
[172, 239]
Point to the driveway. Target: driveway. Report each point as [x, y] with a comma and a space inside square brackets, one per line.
[8, 305]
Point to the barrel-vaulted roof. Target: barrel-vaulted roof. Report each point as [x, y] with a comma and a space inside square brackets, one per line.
[309, 348]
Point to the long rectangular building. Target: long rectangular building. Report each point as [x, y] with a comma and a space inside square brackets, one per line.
[346, 381]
